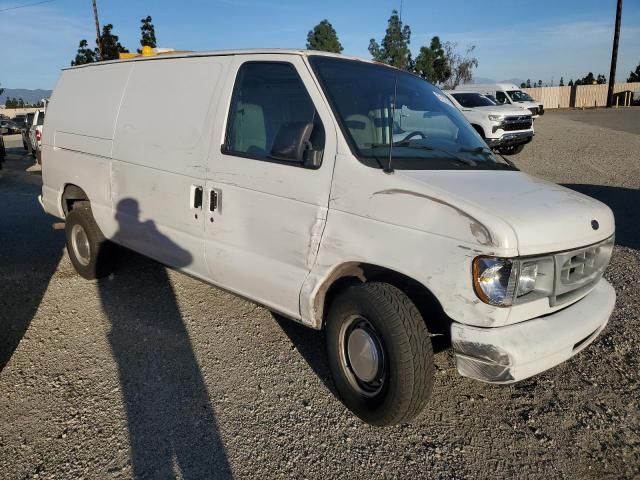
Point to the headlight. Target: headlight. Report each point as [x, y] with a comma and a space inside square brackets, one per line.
[503, 281]
[496, 118]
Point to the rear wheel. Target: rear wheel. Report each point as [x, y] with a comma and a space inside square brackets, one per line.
[380, 353]
[91, 254]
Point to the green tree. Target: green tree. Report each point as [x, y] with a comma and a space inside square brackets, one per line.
[111, 47]
[20, 103]
[601, 79]
[588, 80]
[634, 76]
[561, 82]
[570, 84]
[431, 62]
[394, 48]
[147, 34]
[523, 85]
[84, 54]
[528, 83]
[324, 38]
[1, 90]
[539, 83]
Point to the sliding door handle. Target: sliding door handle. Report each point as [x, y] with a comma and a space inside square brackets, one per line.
[214, 200]
[196, 196]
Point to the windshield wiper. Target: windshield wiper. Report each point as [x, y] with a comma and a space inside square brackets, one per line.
[488, 151]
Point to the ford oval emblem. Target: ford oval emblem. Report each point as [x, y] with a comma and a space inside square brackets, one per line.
[595, 225]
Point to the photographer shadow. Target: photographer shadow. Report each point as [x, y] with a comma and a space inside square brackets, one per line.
[172, 426]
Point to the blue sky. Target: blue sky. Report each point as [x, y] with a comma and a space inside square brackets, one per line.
[544, 39]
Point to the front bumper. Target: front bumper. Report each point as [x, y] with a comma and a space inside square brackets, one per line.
[509, 139]
[514, 352]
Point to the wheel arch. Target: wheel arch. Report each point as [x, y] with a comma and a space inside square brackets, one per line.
[351, 273]
[70, 195]
[479, 129]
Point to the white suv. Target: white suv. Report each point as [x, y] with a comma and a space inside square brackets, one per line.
[343, 194]
[506, 129]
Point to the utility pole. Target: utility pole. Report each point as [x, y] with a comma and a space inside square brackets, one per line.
[98, 40]
[614, 55]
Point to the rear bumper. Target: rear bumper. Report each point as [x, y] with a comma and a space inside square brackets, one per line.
[514, 352]
[508, 139]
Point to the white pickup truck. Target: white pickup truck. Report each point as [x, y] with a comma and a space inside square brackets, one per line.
[505, 128]
[35, 133]
[344, 194]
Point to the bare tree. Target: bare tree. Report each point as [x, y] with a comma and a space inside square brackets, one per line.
[461, 66]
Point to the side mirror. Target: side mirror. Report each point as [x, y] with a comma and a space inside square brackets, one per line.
[293, 144]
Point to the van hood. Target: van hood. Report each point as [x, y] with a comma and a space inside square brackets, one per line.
[545, 217]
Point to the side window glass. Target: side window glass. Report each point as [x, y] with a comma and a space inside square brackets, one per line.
[501, 97]
[272, 116]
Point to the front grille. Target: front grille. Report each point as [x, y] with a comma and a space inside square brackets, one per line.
[578, 270]
[534, 110]
[517, 123]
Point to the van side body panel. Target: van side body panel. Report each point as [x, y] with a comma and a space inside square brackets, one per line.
[160, 158]
[78, 138]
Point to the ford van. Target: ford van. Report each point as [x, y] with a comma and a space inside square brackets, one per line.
[341, 193]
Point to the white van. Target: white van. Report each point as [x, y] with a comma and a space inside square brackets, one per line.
[508, 94]
[341, 193]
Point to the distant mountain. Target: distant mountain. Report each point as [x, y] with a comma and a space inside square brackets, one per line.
[29, 96]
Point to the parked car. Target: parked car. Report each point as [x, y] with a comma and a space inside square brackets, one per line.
[3, 152]
[505, 128]
[24, 130]
[35, 132]
[344, 194]
[9, 127]
[20, 118]
[508, 94]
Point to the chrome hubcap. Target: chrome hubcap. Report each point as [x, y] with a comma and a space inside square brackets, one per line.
[362, 356]
[363, 353]
[80, 245]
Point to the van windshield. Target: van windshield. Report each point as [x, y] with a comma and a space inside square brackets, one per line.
[383, 111]
[519, 96]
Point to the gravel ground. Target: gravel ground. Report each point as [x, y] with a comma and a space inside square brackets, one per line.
[154, 374]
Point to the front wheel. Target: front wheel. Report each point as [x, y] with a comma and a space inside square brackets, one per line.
[380, 353]
[512, 150]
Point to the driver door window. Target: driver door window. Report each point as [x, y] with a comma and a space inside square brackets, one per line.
[268, 98]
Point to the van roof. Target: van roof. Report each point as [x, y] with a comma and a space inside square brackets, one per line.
[221, 53]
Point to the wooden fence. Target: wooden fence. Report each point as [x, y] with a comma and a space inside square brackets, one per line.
[581, 96]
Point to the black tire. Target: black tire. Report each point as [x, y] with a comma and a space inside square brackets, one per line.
[512, 150]
[405, 385]
[99, 258]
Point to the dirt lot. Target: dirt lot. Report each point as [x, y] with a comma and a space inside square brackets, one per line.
[152, 373]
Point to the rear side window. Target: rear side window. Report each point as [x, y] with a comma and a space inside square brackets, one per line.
[268, 98]
[41, 119]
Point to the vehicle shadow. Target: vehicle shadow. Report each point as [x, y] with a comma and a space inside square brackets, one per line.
[172, 426]
[30, 250]
[312, 346]
[625, 203]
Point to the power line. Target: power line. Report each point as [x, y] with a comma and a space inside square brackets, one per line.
[26, 5]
